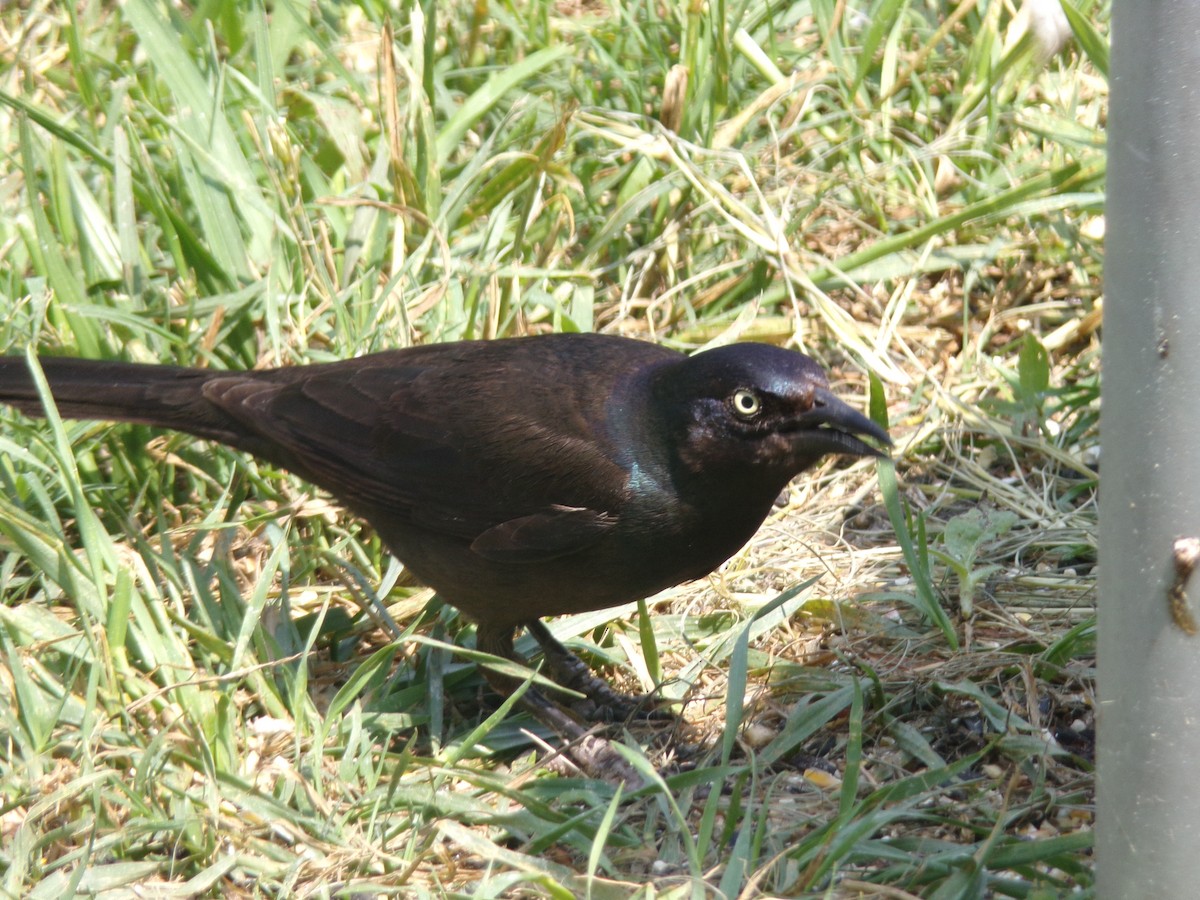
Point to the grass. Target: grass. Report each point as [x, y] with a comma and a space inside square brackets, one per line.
[214, 683]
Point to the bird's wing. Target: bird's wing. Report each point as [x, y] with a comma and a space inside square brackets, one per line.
[556, 532]
[523, 474]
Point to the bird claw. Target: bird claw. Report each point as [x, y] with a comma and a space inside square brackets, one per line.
[603, 702]
[588, 753]
[594, 757]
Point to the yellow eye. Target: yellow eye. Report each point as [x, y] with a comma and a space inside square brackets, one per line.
[745, 403]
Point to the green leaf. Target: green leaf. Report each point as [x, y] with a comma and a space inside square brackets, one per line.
[1033, 367]
[966, 533]
[1095, 47]
[477, 105]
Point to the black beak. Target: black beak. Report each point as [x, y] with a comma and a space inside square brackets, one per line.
[835, 427]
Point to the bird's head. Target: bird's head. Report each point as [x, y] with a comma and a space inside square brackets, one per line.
[759, 411]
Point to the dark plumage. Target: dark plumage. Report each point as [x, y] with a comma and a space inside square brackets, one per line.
[520, 478]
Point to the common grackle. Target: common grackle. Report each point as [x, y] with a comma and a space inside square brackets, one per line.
[520, 478]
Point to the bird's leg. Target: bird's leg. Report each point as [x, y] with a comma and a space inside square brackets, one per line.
[594, 755]
[567, 669]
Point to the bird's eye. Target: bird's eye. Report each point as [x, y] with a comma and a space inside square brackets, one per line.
[745, 403]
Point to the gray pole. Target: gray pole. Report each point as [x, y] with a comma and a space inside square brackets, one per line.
[1148, 841]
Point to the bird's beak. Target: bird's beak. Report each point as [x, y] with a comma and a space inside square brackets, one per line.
[835, 427]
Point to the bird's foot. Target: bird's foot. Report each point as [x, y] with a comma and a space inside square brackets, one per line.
[603, 702]
[584, 752]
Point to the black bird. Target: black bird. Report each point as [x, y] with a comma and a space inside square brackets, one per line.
[520, 478]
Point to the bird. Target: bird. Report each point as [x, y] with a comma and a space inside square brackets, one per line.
[520, 477]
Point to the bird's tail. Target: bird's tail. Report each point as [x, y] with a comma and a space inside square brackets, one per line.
[163, 396]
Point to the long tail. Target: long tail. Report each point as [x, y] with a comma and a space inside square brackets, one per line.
[164, 396]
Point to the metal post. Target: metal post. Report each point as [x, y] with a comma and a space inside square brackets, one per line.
[1148, 842]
